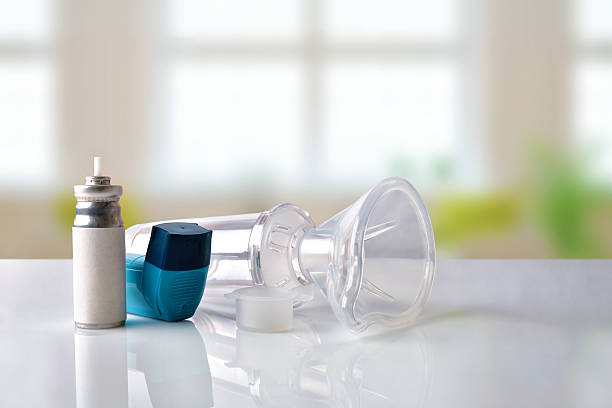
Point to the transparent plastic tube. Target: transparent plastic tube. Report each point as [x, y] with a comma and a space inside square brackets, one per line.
[236, 254]
[229, 248]
[374, 261]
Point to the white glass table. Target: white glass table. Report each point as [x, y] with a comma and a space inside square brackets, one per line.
[494, 334]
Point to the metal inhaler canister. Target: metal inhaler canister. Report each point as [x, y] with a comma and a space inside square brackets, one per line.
[98, 254]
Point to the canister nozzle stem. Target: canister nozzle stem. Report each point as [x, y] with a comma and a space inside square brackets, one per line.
[97, 166]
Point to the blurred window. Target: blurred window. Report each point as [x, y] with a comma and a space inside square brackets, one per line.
[242, 19]
[234, 120]
[25, 92]
[594, 20]
[593, 82]
[391, 19]
[289, 91]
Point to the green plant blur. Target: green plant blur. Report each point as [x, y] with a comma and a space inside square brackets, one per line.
[560, 210]
[560, 201]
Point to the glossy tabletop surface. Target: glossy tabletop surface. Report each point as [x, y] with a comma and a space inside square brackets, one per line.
[494, 334]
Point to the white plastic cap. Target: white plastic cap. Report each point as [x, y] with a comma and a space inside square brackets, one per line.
[264, 309]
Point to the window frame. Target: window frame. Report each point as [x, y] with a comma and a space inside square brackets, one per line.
[312, 51]
[40, 49]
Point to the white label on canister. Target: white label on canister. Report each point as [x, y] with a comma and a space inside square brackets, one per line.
[98, 275]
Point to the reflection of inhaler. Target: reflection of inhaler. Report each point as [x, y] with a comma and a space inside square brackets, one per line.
[100, 367]
[167, 364]
[160, 365]
[302, 368]
[374, 261]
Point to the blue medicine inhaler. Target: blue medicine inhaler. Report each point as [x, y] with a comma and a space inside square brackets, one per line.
[168, 282]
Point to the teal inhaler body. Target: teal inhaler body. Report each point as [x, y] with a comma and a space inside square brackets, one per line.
[168, 282]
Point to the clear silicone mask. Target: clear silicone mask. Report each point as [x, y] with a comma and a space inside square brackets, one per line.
[374, 261]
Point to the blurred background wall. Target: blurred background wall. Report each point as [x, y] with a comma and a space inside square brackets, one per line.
[498, 111]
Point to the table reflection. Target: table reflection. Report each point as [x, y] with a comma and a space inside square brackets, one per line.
[159, 363]
[100, 368]
[311, 367]
[150, 363]
[477, 359]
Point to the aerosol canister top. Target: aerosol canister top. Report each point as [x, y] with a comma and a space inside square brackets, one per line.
[97, 187]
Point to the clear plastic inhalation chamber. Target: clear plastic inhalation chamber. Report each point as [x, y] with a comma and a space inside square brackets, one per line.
[374, 261]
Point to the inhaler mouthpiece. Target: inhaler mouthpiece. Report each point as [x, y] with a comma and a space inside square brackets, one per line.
[374, 261]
